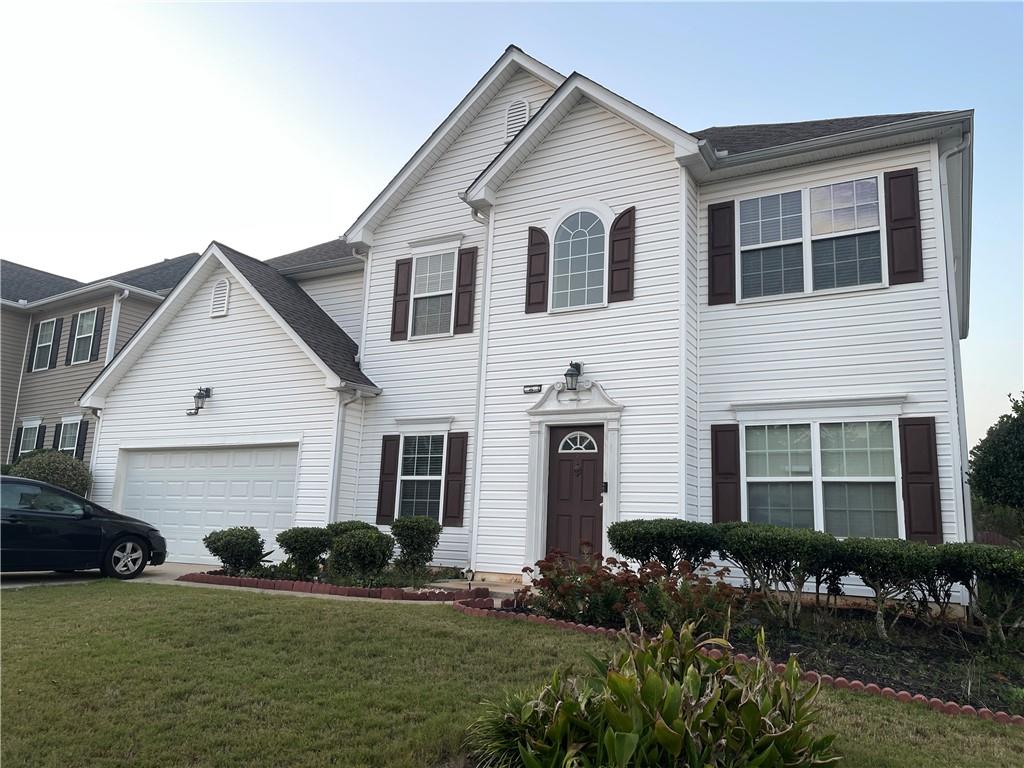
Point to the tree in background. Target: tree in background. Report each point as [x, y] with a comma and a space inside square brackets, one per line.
[997, 473]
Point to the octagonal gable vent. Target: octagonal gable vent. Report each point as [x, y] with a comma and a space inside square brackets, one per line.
[219, 298]
[515, 118]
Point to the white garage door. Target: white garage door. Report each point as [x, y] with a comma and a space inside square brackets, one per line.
[187, 493]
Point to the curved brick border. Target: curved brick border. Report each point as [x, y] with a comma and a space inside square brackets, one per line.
[319, 588]
[485, 607]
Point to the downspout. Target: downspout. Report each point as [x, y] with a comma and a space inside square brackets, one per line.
[339, 451]
[481, 402]
[366, 302]
[17, 395]
[115, 317]
[954, 330]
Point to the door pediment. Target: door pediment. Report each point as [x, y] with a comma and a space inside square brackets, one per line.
[588, 398]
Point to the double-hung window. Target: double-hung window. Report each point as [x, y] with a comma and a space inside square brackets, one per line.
[44, 345]
[433, 287]
[85, 329]
[834, 476]
[421, 475]
[29, 436]
[846, 236]
[69, 436]
[771, 245]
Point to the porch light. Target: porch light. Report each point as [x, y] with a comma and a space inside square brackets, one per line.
[200, 397]
[572, 376]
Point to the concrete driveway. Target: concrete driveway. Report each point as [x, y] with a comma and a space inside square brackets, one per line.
[155, 574]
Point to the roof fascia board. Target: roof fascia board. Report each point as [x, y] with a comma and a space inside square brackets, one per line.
[481, 193]
[75, 293]
[361, 231]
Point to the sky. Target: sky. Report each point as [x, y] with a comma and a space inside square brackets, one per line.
[135, 133]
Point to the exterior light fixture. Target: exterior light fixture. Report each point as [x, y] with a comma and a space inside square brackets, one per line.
[200, 397]
[572, 376]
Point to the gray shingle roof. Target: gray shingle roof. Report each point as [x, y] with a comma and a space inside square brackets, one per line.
[736, 139]
[20, 282]
[159, 277]
[325, 337]
[331, 252]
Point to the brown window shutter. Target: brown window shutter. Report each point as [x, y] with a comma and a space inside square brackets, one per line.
[903, 227]
[537, 271]
[71, 339]
[83, 434]
[465, 287]
[56, 436]
[401, 300]
[722, 253]
[32, 348]
[920, 464]
[97, 334]
[620, 256]
[15, 447]
[58, 327]
[725, 473]
[455, 479]
[388, 487]
[41, 437]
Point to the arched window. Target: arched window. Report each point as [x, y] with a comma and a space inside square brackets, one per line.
[578, 268]
[577, 442]
[219, 298]
[515, 118]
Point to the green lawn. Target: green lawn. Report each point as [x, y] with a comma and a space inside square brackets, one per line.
[110, 674]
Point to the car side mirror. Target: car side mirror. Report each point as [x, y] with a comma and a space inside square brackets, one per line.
[86, 511]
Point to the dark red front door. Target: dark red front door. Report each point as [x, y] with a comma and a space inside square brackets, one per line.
[575, 480]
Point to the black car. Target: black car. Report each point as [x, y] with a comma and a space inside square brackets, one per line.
[45, 528]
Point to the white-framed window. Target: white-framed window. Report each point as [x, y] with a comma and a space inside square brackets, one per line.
[29, 436]
[816, 238]
[44, 345]
[837, 476]
[433, 294]
[85, 329]
[578, 442]
[69, 435]
[421, 475]
[578, 262]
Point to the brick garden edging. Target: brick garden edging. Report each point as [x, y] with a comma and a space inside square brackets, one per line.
[320, 588]
[485, 607]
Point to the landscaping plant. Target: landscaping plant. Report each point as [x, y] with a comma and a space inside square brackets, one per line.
[417, 537]
[669, 541]
[361, 555]
[997, 461]
[994, 578]
[660, 702]
[305, 548]
[239, 549]
[56, 468]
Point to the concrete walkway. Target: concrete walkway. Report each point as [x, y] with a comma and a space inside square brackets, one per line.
[154, 574]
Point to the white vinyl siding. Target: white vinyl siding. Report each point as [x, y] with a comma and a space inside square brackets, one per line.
[879, 341]
[341, 297]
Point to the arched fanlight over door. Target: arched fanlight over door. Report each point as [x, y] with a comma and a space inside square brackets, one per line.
[577, 442]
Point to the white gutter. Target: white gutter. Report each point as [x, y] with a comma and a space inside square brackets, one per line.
[115, 317]
[85, 289]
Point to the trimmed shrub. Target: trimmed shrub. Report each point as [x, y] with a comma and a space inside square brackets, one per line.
[362, 555]
[657, 703]
[666, 540]
[994, 578]
[56, 468]
[305, 548]
[345, 526]
[417, 537]
[239, 549]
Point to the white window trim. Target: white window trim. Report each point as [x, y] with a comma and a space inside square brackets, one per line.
[402, 477]
[27, 424]
[607, 217]
[418, 251]
[64, 422]
[574, 449]
[806, 240]
[79, 336]
[816, 478]
[53, 340]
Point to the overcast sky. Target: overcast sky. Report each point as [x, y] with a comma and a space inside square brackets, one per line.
[136, 133]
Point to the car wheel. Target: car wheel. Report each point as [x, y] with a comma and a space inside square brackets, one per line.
[126, 558]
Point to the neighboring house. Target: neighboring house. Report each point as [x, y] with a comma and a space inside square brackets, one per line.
[768, 320]
[57, 334]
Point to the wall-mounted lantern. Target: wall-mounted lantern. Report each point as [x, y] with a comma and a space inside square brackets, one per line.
[572, 376]
[200, 397]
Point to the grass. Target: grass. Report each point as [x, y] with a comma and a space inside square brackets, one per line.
[107, 674]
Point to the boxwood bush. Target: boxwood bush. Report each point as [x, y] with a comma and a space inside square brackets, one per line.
[417, 537]
[239, 549]
[362, 555]
[305, 548]
[666, 540]
[56, 468]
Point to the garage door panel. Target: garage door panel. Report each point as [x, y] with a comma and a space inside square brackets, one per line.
[187, 493]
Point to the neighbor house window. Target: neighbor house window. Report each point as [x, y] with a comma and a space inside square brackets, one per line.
[68, 436]
[848, 209]
[433, 285]
[44, 345]
[579, 257]
[839, 477]
[85, 329]
[421, 474]
[771, 245]
[29, 437]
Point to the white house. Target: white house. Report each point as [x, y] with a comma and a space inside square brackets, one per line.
[766, 320]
